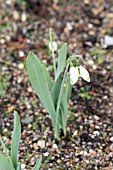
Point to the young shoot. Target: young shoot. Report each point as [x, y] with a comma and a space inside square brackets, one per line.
[10, 162]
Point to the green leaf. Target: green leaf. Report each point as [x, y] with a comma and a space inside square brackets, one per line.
[61, 60]
[50, 84]
[1, 90]
[39, 82]
[15, 140]
[55, 91]
[64, 110]
[4, 163]
[61, 92]
[6, 152]
[19, 167]
[38, 164]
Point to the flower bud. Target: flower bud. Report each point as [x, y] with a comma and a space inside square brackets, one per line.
[53, 45]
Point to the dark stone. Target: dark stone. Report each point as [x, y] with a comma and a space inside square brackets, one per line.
[84, 137]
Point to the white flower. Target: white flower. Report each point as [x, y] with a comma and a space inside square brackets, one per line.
[53, 45]
[84, 74]
[76, 72]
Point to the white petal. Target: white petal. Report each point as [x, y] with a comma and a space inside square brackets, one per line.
[84, 74]
[54, 45]
[73, 75]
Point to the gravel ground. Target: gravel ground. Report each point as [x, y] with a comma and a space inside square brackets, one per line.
[84, 25]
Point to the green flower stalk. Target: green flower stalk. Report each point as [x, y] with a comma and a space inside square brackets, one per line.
[52, 47]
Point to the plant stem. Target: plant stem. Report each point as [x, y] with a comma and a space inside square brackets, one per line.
[61, 90]
[53, 56]
[59, 99]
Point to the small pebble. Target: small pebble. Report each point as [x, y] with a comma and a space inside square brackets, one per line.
[54, 146]
[96, 133]
[41, 143]
[23, 17]
[92, 152]
[5, 130]
[35, 146]
[94, 67]
[59, 161]
[23, 166]
[96, 117]
[21, 66]
[90, 62]
[89, 143]
[21, 53]
[2, 41]
[15, 15]
[29, 89]
[75, 133]
[46, 154]
[20, 79]
[111, 139]
[10, 109]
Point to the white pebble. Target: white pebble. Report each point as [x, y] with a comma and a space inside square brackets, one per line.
[96, 117]
[41, 143]
[75, 133]
[21, 66]
[8, 2]
[21, 53]
[94, 67]
[90, 62]
[85, 153]
[69, 26]
[55, 146]
[23, 17]
[96, 133]
[23, 166]
[46, 154]
[19, 80]
[111, 139]
[2, 41]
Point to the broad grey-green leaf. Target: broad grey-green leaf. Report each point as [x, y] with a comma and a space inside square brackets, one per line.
[64, 110]
[60, 119]
[19, 167]
[15, 140]
[50, 84]
[38, 164]
[39, 82]
[55, 90]
[4, 163]
[6, 152]
[61, 60]
[68, 88]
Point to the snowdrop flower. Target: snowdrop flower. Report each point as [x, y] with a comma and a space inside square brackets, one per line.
[53, 45]
[76, 72]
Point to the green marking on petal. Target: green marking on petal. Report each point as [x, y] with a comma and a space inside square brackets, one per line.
[88, 79]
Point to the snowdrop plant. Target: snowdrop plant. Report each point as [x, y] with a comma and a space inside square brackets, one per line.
[10, 161]
[55, 94]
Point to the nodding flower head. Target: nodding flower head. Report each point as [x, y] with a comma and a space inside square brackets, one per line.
[52, 46]
[76, 72]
